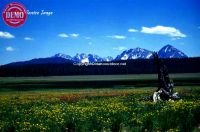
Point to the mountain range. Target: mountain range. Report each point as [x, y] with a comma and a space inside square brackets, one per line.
[167, 51]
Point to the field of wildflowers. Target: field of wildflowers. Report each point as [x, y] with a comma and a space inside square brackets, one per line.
[98, 110]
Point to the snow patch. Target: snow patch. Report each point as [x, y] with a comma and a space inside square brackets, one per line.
[85, 60]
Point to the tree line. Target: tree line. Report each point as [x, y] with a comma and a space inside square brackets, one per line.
[139, 66]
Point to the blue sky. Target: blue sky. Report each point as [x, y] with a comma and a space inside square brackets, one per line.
[102, 27]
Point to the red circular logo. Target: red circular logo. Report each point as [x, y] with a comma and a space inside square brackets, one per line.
[14, 14]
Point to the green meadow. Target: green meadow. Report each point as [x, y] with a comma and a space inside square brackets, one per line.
[114, 108]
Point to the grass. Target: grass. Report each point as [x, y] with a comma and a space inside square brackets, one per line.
[124, 106]
[95, 81]
[98, 77]
[98, 110]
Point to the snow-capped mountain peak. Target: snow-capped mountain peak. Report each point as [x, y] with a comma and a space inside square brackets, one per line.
[169, 51]
[82, 58]
[136, 53]
[107, 59]
[64, 56]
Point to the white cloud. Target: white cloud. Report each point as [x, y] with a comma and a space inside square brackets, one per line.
[6, 35]
[63, 35]
[9, 48]
[117, 37]
[120, 48]
[175, 38]
[74, 35]
[28, 38]
[163, 30]
[132, 30]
